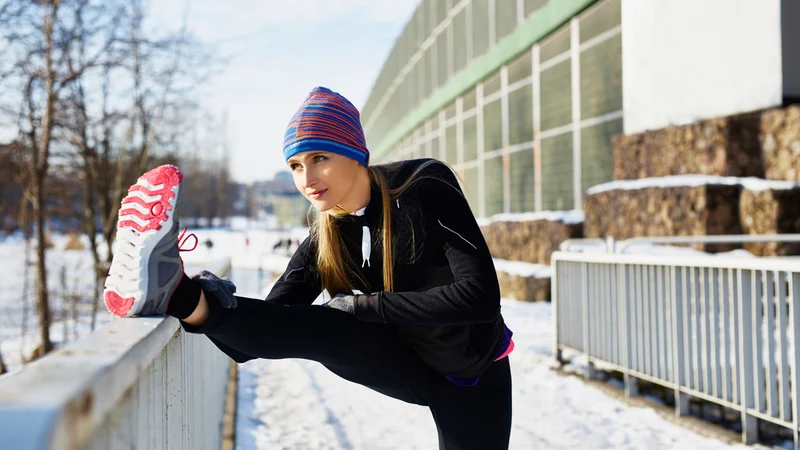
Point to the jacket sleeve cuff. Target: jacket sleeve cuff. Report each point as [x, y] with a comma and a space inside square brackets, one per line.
[369, 308]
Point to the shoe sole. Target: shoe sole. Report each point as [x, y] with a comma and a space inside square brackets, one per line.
[139, 231]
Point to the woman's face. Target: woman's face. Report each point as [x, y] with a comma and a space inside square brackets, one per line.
[325, 179]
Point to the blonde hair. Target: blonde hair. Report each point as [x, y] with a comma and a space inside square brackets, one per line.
[331, 265]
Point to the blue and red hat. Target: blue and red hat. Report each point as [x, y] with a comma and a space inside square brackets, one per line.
[326, 122]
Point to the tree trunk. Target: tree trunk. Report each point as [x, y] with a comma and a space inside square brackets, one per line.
[3, 368]
[42, 300]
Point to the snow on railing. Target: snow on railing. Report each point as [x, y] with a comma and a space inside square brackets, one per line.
[719, 329]
[135, 383]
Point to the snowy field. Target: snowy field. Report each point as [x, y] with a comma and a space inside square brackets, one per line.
[295, 404]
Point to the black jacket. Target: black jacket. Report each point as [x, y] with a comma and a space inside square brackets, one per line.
[446, 301]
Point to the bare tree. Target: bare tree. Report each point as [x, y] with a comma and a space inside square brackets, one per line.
[45, 37]
[116, 143]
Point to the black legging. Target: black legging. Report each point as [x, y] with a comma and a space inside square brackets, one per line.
[370, 354]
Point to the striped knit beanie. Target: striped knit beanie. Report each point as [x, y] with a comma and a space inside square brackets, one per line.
[326, 122]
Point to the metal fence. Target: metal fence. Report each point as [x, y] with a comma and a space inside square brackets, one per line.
[718, 329]
[611, 245]
[136, 383]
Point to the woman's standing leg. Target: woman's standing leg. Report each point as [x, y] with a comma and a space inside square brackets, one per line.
[476, 417]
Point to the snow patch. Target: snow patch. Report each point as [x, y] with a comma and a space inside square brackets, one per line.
[569, 217]
[523, 269]
[751, 183]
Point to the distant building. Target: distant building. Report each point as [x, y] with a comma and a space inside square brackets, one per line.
[280, 198]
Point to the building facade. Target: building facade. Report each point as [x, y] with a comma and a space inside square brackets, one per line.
[522, 97]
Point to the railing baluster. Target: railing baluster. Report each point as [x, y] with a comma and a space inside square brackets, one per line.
[758, 342]
[783, 348]
[769, 312]
[725, 344]
[748, 298]
[794, 310]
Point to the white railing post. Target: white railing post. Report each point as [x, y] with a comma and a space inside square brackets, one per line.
[554, 293]
[681, 399]
[747, 365]
[794, 308]
[584, 283]
[631, 385]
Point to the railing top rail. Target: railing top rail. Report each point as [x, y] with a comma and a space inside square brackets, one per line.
[718, 262]
[65, 395]
[712, 239]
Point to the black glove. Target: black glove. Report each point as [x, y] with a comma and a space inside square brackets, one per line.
[346, 303]
[220, 288]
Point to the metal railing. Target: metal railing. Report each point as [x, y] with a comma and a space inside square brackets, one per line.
[611, 245]
[719, 329]
[136, 383]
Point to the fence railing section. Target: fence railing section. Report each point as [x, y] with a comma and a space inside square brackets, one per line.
[136, 383]
[720, 329]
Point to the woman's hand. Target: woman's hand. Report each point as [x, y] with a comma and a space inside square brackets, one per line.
[342, 302]
[219, 288]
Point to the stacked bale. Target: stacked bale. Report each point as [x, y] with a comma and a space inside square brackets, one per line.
[525, 288]
[724, 147]
[528, 240]
[771, 211]
[779, 138]
[707, 209]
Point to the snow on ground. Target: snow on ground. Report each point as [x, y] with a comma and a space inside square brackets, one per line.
[69, 274]
[300, 405]
[523, 269]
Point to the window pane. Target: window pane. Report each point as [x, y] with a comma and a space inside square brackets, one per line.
[491, 85]
[557, 172]
[505, 13]
[450, 112]
[601, 17]
[520, 68]
[441, 10]
[433, 67]
[493, 173]
[597, 154]
[556, 96]
[441, 57]
[532, 6]
[471, 139]
[460, 41]
[452, 146]
[520, 115]
[522, 185]
[555, 44]
[601, 78]
[492, 126]
[480, 27]
[469, 100]
[435, 151]
[471, 188]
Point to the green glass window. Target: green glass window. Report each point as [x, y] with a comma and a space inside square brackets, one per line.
[471, 139]
[492, 126]
[557, 172]
[522, 183]
[493, 182]
[520, 115]
[556, 104]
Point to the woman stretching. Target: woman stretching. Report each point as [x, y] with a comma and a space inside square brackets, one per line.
[415, 307]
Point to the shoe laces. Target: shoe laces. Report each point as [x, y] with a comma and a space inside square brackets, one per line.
[182, 241]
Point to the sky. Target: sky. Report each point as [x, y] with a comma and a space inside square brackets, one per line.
[277, 52]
